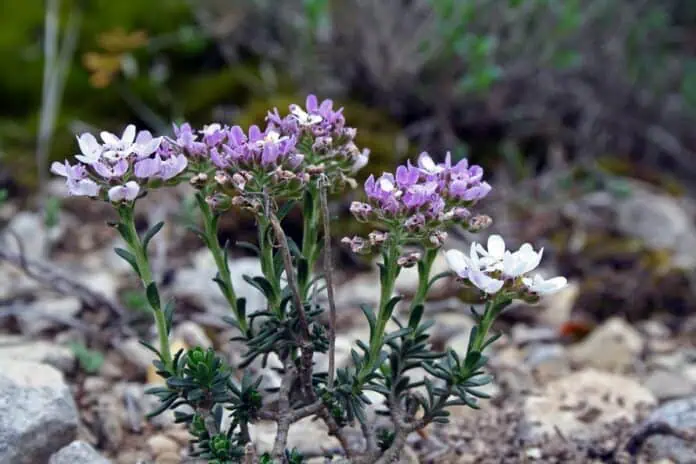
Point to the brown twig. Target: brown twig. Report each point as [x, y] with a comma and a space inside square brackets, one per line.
[284, 411]
[328, 275]
[638, 439]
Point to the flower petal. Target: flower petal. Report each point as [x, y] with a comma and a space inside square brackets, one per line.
[128, 134]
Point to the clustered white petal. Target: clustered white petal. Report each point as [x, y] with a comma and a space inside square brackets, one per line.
[489, 268]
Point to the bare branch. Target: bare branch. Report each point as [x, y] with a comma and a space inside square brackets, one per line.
[328, 275]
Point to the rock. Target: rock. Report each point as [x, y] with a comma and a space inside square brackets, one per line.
[30, 228]
[37, 413]
[136, 354]
[103, 283]
[581, 404]
[94, 384]
[109, 421]
[363, 289]
[613, 346]
[452, 328]
[557, 308]
[160, 444]
[548, 361]
[522, 334]
[660, 221]
[168, 458]
[666, 385]
[310, 437]
[192, 335]
[680, 414]
[13, 347]
[15, 282]
[48, 313]
[78, 452]
[133, 456]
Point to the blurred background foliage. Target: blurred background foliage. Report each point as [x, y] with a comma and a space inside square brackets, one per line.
[514, 81]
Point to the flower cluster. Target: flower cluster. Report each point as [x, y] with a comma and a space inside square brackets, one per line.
[494, 268]
[424, 199]
[120, 166]
[322, 136]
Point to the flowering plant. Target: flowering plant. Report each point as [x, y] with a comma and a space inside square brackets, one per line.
[299, 158]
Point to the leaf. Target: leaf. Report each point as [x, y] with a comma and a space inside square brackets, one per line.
[150, 347]
[249, 246]
[371, 320]
[129, 258]
[169, 315]
[397, 334]
[415, 317]
[439, 276]
[389, 308]
[151, 233]
[285, 209]
[261, 284]
[153, 296]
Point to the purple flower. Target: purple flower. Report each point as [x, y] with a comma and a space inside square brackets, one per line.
[148, 167]
[172, 167]
[407, 175]
[127, 192]
[187, 140]
[109, 171]
[76, 180]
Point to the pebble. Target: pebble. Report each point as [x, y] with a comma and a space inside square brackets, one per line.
[680, 414]
[613, 346]
[667, 385]
[160, 444]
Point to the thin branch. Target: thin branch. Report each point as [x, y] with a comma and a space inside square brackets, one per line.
[637, 440]
[284, 411]
[328, 275]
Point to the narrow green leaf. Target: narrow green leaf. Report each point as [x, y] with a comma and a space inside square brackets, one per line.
[129, 258]
[153, 296]
[415, 317]
[151, 233]
[169, 314]
[249, 246]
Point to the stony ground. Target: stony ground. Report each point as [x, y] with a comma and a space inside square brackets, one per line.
[71, 368]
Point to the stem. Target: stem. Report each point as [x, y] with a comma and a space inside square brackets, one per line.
[424, 278]
[388, 281]
[310, 234]
[267, 266]
[138, 250]
[220, 257]
[328, 274]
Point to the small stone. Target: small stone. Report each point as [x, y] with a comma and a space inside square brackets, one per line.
[132, 456]
[94, 384]
[361, 289]
[29, 227]
[680, 414]
[169, 457]
[453, 329]
[37, 413]
[667, 385]
[160, 444]
[548, 361]
[580, 404]
[522, 334]
[192, 335]
[78, 452]
[45, 314]
[179, 434]
[40, 351]
[534, 453]
[613, 346]
[136, 354]
[308, 436]
[110, 419]
[557, 308]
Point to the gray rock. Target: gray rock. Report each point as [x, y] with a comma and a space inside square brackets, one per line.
[680, 414]
[47, 313]
[136, 354]
[18, 348]
[196, 282]
[78, 452]
[667, 385]
[29, 227]
[192, 334]
[38, 415]
[549, 361]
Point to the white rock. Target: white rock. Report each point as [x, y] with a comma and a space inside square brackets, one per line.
[160, 444]
[613, 346]
[18, 348]
[37, 413]
[192, 334]
[579, 405]
[363, 289]
[196, 282]
[136, 354]
[29, 227]
[308, 436]
[78, 452]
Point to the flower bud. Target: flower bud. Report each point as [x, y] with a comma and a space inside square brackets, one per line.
[377, 237]
[415, 223]
[315, 169]
[199, 180]
[322, 144]
[409, 259]
[461, 213]
[438, 238]
[219, 202]
[479, 222]
[350, 132]
[361, 211]
[357, 244]
[238, 180]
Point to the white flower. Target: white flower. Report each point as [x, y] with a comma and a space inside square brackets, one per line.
[127, 192]
[427, 165]
[484, 282]
[458, 262]
[90, 148]
[360, 161]
[115, 149]
[304, 118]
[210, 129]
[521, 261]
[271, 137]
[491, 258]
[540, 286]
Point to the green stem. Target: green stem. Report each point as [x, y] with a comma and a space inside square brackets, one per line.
[310, 237]
[424, 270]
[220, 257]
[137, 248]
[392, 271]
[267, 265]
